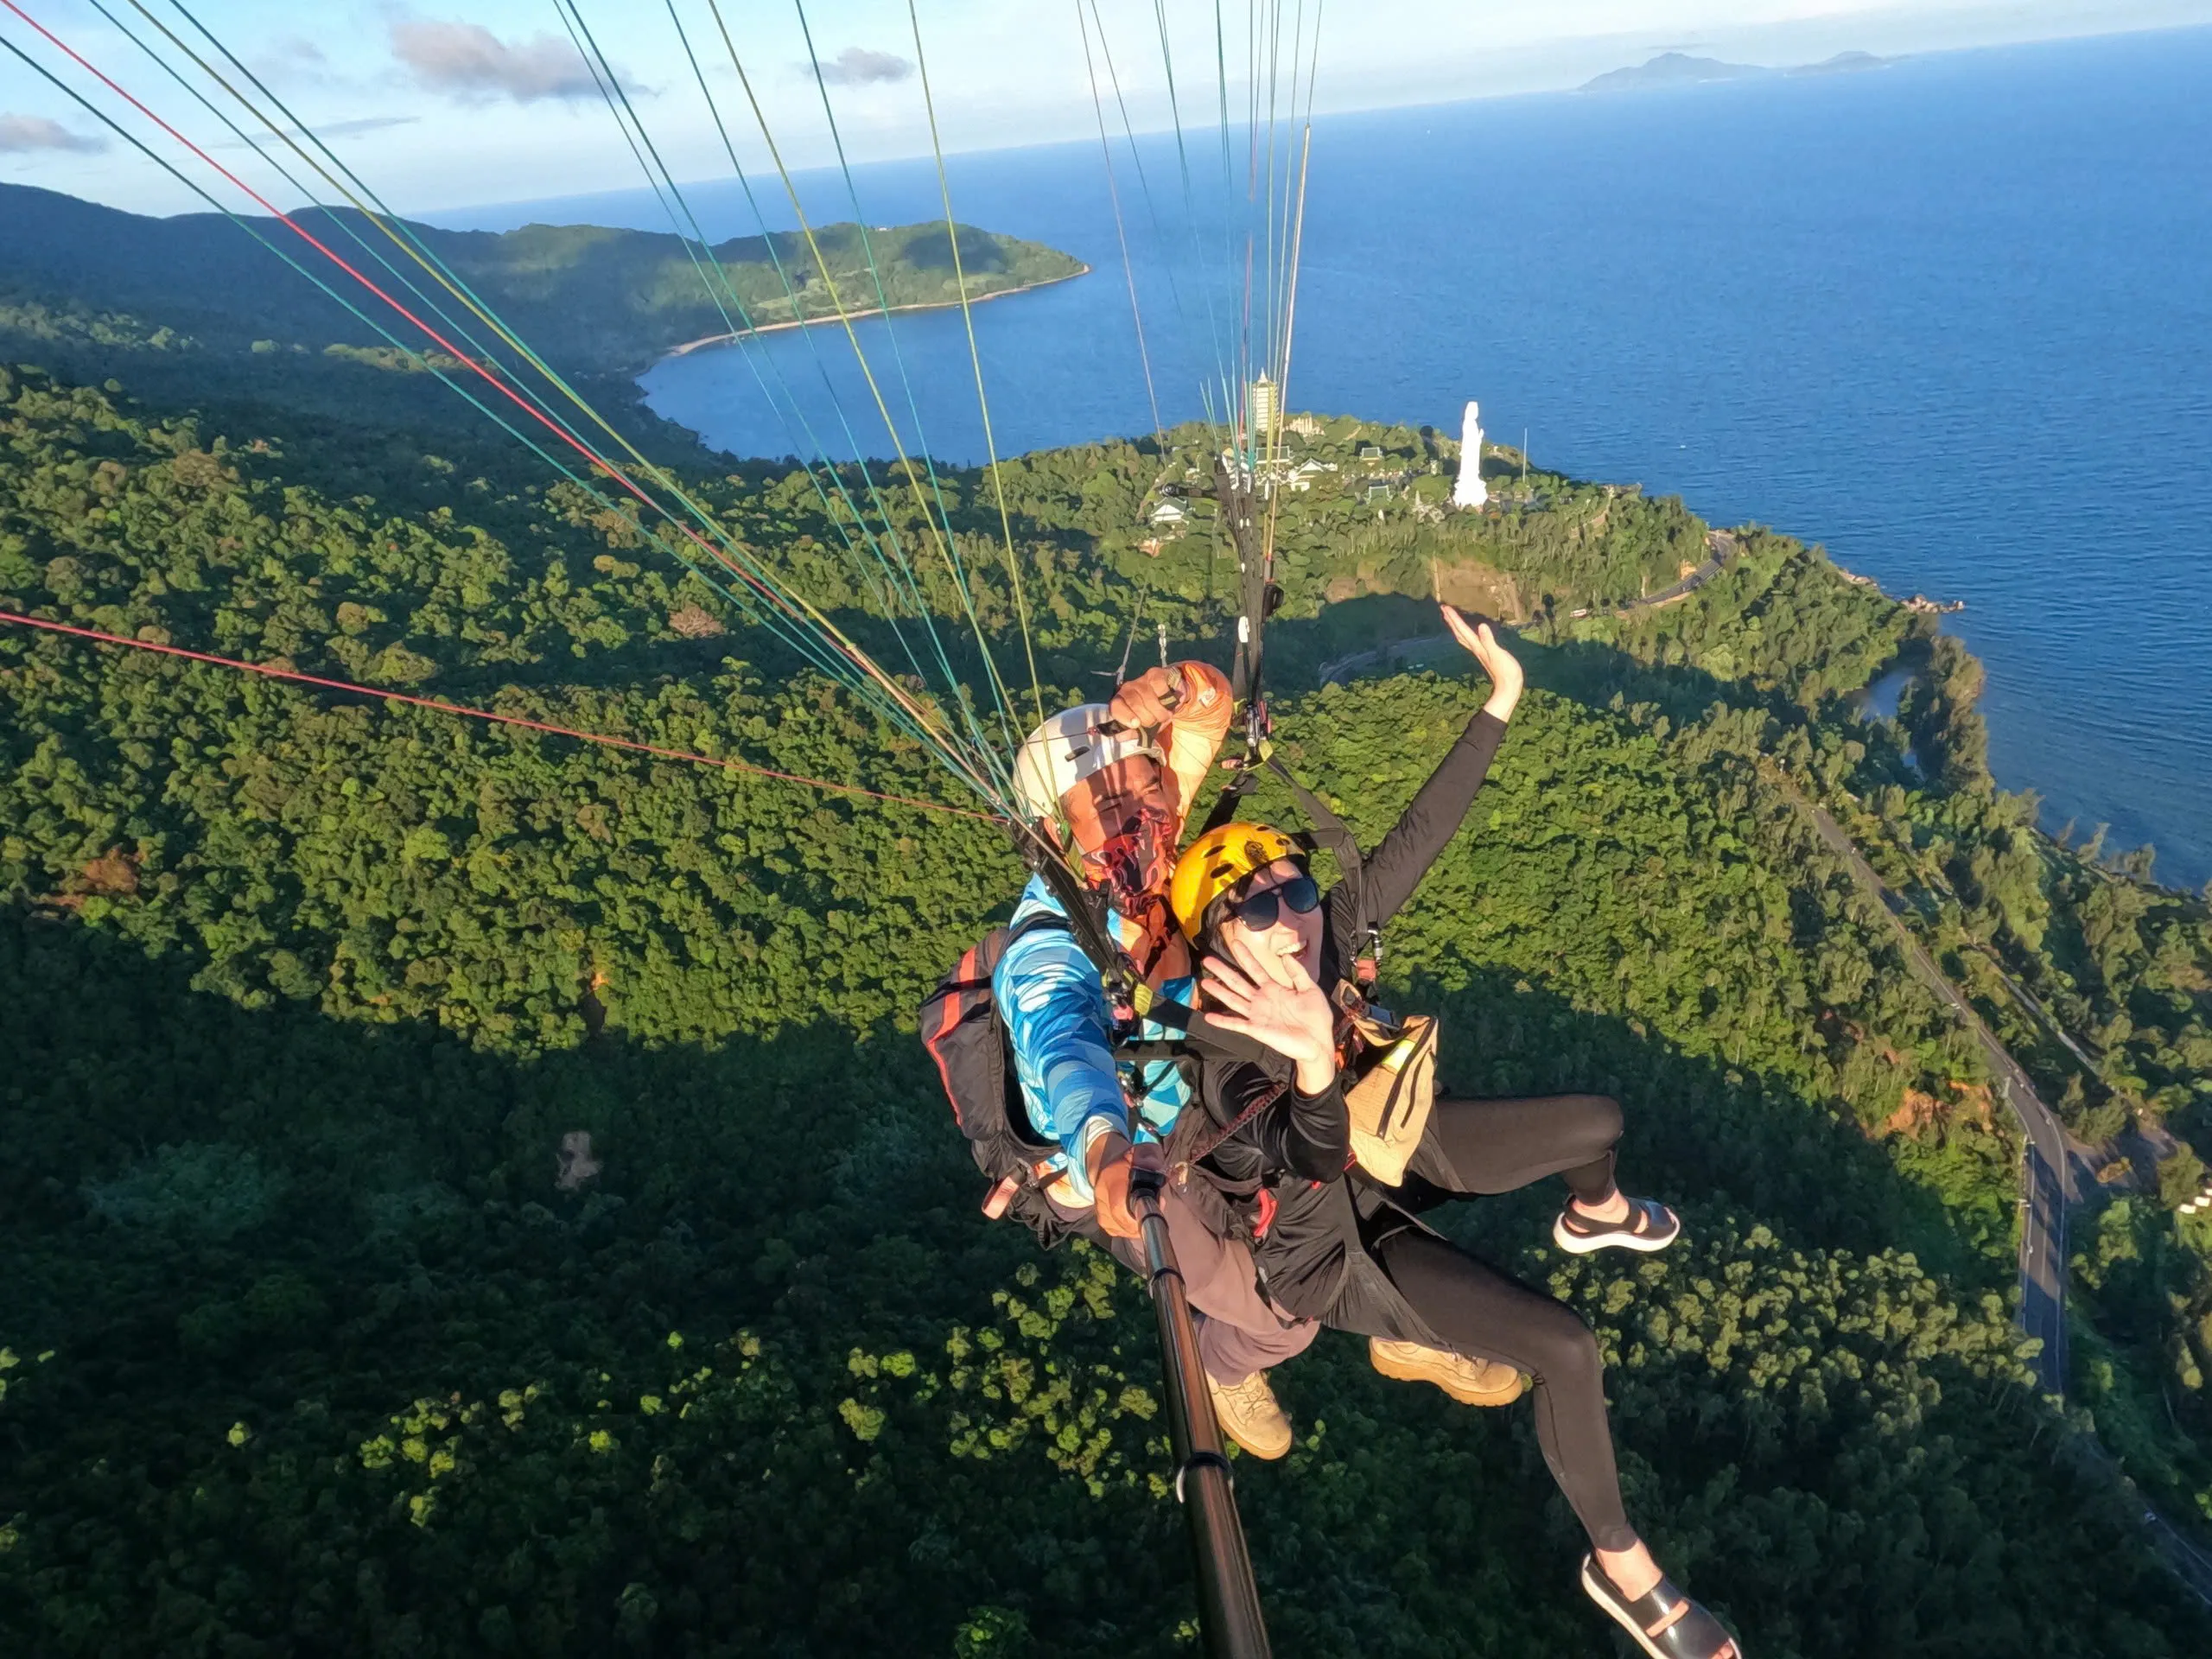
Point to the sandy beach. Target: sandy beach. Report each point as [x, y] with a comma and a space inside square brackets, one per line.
[691, 346]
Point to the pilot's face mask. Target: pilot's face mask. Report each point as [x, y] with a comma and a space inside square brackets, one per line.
[1124, 828]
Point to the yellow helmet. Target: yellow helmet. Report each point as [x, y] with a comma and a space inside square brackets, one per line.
[1216, 861]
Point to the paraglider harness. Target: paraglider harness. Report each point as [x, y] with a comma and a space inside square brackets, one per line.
[966, 1036]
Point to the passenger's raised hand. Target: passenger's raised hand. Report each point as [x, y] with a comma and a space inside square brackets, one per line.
[1273, 1000]
[1503, 667]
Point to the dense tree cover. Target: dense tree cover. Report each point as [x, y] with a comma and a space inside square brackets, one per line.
[309, 1347]
[2101, 983]
[472, 555]
[1777, 615]
[1561, 543]
[72, 321]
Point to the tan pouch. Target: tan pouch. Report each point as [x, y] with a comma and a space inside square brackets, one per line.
[1390, 1103]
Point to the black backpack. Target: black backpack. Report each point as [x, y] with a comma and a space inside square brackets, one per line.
[965, 1036]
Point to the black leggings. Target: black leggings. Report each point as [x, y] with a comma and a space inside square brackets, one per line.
[1500, 1145]
[1407, 1283]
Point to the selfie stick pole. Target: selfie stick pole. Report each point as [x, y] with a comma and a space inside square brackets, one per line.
[1229, 1599]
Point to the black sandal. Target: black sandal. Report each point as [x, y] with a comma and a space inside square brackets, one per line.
[1666, 1624]
[1650, 1225]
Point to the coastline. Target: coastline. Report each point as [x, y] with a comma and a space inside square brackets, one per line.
[732, 339]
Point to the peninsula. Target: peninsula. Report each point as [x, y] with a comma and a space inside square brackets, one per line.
[196, 306]
[978, 292]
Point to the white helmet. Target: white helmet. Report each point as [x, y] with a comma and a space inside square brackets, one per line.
[1068, 749]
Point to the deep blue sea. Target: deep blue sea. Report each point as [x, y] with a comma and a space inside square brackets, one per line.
[1952, 319]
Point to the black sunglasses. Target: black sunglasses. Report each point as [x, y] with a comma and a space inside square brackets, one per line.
[1263, 910]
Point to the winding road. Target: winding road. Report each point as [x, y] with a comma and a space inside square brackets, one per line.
[2049, 1180]
[1721, 545]
[2047, 1186]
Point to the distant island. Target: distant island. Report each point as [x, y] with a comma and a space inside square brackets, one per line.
[1680, 69]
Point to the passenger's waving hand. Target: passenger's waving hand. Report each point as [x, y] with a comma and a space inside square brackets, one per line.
[1268, 996]
[1503, 667]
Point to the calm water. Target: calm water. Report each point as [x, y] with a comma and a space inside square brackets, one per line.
[1954, 320]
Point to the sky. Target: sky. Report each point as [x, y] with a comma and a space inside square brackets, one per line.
[459, 102]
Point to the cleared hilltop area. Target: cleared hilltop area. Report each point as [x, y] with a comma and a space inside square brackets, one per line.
[471, 1192]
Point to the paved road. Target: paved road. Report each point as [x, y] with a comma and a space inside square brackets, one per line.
[1394, 651]
[2046, 1176]
[2047, 1187]
[1723, 549]
[2189, 1563]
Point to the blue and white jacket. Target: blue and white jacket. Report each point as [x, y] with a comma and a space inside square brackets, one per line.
[1048, 992]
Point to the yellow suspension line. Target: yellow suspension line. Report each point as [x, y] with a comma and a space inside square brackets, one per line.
[1121, 232]
[406, 246]
[947, 740]
[793, 604]
[491, 321]
[1279, 445]
[837, 300]
[975, 357]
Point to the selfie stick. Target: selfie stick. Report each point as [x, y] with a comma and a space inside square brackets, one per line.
[1229, 1599]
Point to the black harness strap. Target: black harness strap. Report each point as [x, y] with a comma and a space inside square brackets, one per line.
[1196, 1037]
[1330, 831]
[1085, 912]
[1225, 806]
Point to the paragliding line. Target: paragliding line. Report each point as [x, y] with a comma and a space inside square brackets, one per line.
[613, 472]
[974, 356]
[1120, 233]
[943, 542]
[439, 706]
[867, 479]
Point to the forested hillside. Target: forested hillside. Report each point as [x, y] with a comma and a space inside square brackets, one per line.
[327, 1333]
[186, 308]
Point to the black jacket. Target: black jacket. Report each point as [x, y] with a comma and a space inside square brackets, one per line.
[1295, 1147]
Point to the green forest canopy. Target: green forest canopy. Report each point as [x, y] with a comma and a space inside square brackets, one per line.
[308, 1347]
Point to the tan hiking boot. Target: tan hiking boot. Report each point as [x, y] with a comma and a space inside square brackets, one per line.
[1249, 1415]
[1471, 1382]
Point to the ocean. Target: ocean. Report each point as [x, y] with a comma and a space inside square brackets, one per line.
[1952, 319]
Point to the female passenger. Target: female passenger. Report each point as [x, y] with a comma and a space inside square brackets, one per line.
[1336, 1246]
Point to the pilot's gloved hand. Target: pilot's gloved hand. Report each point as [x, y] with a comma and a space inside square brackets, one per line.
[1150, 701]
[1112, 1158]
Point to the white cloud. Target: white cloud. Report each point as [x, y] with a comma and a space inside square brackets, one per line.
[857, 65]
[364, 124]
[330, 130]
[470, 60]
[20, 133]
[292, 52]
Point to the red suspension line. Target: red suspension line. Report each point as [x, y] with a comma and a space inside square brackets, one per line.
[718, 555]
[443, 708]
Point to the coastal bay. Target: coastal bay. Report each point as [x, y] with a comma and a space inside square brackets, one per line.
[1946, 320]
